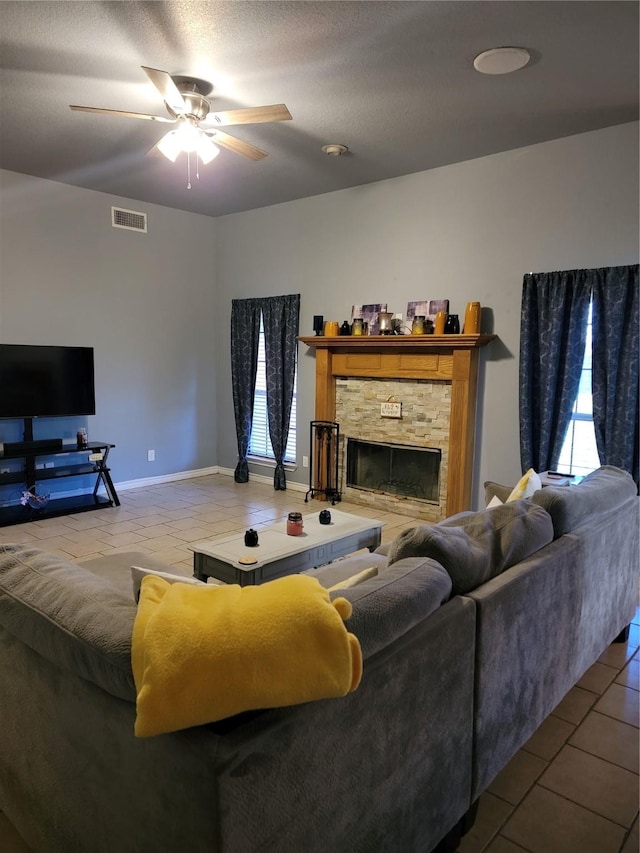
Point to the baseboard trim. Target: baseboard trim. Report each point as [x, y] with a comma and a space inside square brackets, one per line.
[268, 481]
[201, 472]
[165, 478]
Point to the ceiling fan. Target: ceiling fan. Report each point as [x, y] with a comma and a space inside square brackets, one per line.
[198, 127]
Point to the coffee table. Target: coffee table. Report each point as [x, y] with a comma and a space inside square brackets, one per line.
[278, 554]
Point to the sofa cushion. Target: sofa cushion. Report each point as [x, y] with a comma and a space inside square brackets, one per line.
[69, 616]
[571, 507]
[496, 490]
[400, 596]
[476, 546]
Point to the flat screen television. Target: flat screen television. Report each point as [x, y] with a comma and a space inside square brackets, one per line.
[46, 381]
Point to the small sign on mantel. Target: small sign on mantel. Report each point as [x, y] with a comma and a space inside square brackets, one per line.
[390, 410]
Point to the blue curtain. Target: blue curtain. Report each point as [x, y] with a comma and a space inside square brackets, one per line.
[553, 326]
[615, 332]
[245, 335]
[280, 317]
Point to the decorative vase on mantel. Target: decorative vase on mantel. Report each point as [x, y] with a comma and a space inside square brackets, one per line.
[472, 317]
[452, 326]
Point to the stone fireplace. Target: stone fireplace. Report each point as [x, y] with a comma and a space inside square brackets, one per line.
[434, 379]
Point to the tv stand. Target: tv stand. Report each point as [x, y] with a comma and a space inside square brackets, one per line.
[68, 461]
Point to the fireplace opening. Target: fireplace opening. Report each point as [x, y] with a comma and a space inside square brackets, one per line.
[395, 469]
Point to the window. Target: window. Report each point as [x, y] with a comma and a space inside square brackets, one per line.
[260, 443]
[579, 453]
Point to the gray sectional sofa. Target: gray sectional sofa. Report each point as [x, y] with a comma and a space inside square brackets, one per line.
[471, 632]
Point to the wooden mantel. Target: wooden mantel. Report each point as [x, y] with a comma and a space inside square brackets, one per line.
[449, 358]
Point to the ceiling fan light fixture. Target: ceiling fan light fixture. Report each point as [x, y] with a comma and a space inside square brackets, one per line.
[207, 150]
[169, 145]
[501, 60]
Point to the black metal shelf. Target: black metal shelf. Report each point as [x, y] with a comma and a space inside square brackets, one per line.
[56, 507]
[31, 476]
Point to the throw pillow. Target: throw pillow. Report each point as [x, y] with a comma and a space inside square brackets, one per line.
[529, 483]
[476, 546]
[138, 573]
[354, 580]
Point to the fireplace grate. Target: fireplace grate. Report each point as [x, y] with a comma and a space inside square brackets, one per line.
[394, 469]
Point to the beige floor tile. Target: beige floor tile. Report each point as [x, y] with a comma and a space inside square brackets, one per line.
[79, 549]
[513, 782]
[85, 520]
[607, 738]
[630, 675]
[597, 678]
[617, 654]
[17, 534]
[548, 823]
[575, 705]
[162, 543]
[598, 785]
[500, 844]
[186, 523]
[620, 702]
[549, 738]
[119, 539]
[492, 813]
[192, 534]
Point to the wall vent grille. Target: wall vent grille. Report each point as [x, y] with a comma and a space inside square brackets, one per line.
[130, 220]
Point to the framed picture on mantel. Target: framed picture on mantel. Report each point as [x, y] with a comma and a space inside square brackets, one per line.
[428, 309]
[368, 313]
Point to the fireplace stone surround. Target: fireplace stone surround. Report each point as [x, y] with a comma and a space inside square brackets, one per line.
[442, 369]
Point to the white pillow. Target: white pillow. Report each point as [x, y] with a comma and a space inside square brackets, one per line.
[354, 580]
[137, 573]
[529, 483]
[495, 501]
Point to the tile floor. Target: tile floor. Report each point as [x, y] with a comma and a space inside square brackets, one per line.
[572, 788]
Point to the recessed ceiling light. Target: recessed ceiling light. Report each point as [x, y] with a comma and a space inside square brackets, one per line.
[501, 60]
[335, 149]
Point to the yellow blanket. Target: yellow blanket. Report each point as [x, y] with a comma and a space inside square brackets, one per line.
[200, 654]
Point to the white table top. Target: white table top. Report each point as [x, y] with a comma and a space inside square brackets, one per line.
[275, 543]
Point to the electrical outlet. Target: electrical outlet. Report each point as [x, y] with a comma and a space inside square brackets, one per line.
[305, 461]
[151, 456]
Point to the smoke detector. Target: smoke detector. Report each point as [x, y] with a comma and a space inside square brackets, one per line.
[501, 60]
[335, 149]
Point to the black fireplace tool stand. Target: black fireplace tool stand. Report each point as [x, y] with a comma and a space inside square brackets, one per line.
[323, 474]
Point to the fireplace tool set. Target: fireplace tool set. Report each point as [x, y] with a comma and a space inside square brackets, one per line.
[323, 473]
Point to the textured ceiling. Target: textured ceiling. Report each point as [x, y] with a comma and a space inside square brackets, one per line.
[394, 81]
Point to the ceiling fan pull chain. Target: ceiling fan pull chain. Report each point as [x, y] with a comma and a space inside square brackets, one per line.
[197, 167]
[188, 170]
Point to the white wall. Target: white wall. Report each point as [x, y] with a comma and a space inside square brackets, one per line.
[146, 303]
[464, 232]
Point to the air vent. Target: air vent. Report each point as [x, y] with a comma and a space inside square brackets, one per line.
[131, 220]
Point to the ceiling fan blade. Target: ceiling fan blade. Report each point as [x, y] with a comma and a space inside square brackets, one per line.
[238, 145]
[252, 115]
[120, 113]
[167, 88]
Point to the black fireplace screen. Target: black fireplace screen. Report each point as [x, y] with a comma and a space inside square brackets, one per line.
[396, 469]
